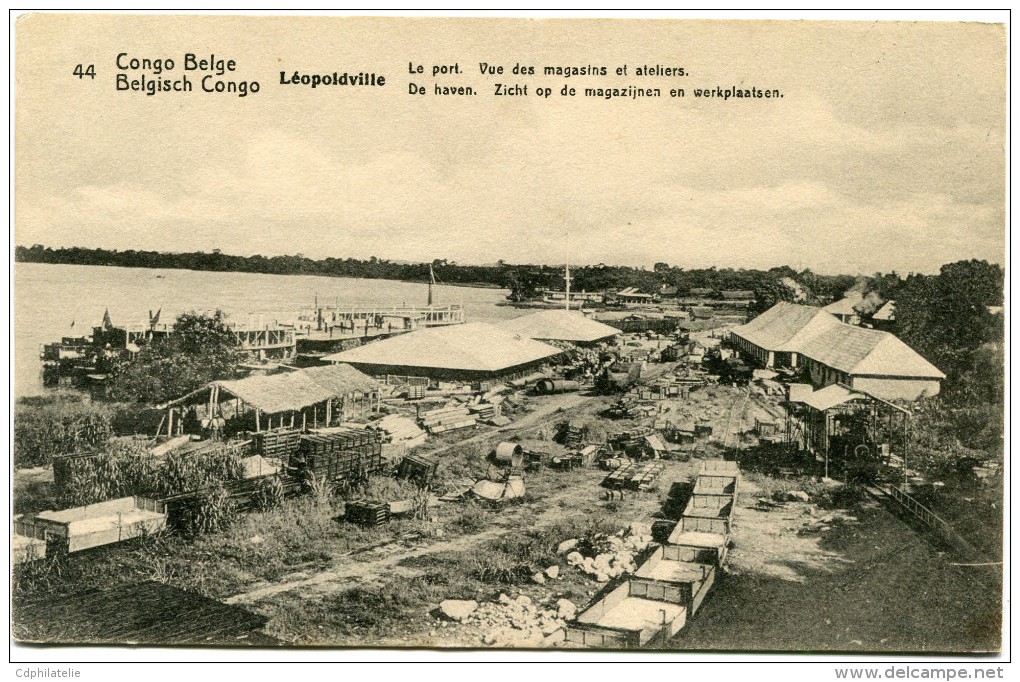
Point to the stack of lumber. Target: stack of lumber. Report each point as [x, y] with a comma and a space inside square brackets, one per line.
[447, 418]
[279, 444]
[634, 475]
[400, 430]
[367, 513]
[485, 411]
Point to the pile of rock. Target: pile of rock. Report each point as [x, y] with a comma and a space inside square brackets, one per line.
[551, 573]
[617, 556]
[513, 622]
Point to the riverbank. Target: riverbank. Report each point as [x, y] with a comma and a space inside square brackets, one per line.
[49, 302]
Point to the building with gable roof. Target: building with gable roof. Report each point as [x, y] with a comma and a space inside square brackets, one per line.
[845, 309]
[475, 351]
[831, 352]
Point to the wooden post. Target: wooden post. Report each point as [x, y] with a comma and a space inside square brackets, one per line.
[905, 440]
[329, 405]
[257, 426]
[169, 421]
[304, 419]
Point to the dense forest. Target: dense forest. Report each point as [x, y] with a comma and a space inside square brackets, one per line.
[524, 281]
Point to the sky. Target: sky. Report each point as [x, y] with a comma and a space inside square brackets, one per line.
[886, 151]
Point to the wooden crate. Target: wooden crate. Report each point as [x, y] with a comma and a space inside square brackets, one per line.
[367, 513]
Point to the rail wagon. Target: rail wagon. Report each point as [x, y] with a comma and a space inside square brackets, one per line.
[672, 573]
[710, 506]
[715, 484]
[94, 525]
[704, 547]
[626, 618]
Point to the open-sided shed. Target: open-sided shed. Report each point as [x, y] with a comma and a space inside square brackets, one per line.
[317, 396]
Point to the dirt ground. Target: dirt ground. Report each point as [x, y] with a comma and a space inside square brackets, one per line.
[801, 577]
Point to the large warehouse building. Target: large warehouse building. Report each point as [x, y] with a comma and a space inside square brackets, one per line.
[774, 338]
[560, 325]
[790, 335]
[467, 352]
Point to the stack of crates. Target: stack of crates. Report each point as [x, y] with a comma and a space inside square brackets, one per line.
[417, 468]
[342, 454]
[279, 444]
[573, 435]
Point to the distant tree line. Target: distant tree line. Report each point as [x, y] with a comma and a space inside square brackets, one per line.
[523, 280]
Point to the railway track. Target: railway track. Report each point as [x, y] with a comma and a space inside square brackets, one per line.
[731, 427]
[936, 531]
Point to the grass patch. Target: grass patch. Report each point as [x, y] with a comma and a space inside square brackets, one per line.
[363, 613]
[472, 518]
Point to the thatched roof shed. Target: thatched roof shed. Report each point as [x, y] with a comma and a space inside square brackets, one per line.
[290, 391]
[308, 392]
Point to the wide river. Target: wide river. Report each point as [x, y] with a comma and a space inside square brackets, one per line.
[49, 298]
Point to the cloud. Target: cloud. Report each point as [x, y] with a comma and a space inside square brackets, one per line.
[723, 184]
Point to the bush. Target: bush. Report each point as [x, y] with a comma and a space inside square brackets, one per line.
[211, 512]
[382, 489]
[462, 461]
[499, 567]
[58, 426]
[842, 497]
[128, 469]
[472, 519]
[269, 495]
[938, 432]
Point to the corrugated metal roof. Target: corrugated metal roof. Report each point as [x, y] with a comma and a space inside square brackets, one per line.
[475, 346]
[820, 336]
[785, 326]
[844, 306]
[887, 313]
[799, 392]
[559, 325]
[831, 396]
[859, 351]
